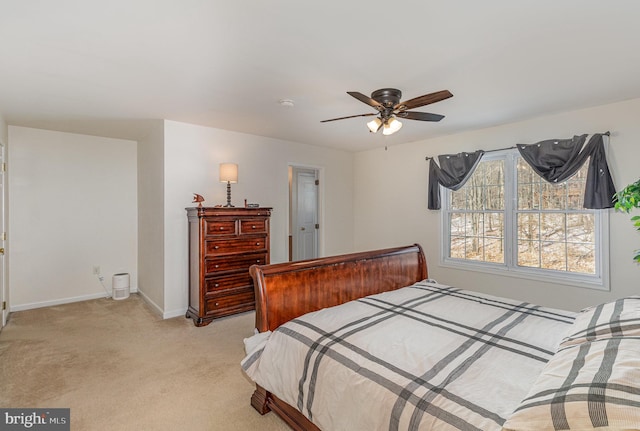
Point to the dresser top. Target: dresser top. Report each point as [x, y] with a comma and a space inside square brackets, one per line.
[227, 211]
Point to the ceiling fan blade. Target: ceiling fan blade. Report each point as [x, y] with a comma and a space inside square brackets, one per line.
[422, 116]
[427, 99]
[350, 116]
[366, 99]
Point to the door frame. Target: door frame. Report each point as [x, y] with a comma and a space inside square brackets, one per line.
[4, 285]
[320, 207]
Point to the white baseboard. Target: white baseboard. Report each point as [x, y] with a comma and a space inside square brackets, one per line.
[156, 308]
[152, 304]
[165, 314]
[174, 313]
[22, 307]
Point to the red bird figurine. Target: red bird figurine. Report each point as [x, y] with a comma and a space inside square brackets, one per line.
[199, 199]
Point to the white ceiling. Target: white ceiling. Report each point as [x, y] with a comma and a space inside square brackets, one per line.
[104, 67]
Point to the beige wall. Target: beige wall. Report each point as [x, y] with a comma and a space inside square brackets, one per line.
[73, 206]
[4, 131]
[151, 215]
[62, 185]
[80, 201]
[191, 160]
[390, 200]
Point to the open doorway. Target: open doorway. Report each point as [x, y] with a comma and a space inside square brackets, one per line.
[304, 210]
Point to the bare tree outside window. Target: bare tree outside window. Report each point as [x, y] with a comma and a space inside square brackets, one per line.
[550, 229]
[554, 231]
[477, 218]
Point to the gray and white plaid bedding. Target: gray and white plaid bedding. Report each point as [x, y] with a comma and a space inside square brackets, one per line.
[425, 357]
[593, 380]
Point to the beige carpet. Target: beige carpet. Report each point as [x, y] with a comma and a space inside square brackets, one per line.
[119, 366]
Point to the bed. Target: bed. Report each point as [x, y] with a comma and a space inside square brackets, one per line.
[365, 341]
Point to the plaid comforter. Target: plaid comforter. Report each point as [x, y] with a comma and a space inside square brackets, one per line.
[425, 357]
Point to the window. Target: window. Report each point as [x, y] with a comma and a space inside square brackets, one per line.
[507, 218]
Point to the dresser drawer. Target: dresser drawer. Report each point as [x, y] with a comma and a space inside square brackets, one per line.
[217, 247]
[225, 283]
[240, 300]
[219, 227]
[216, 265]
[253, 226]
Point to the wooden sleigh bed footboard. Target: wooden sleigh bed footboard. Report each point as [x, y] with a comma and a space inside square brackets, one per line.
[288, 290]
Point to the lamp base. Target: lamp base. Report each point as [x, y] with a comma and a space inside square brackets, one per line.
[228, 205]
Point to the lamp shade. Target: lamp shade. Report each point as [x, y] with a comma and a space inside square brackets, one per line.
[391, 126]
[228, 173]
[374, 125]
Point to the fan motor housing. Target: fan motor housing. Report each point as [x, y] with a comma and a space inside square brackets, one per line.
[389, 97]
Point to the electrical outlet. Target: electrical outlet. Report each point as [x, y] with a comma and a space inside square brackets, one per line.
[96, 270]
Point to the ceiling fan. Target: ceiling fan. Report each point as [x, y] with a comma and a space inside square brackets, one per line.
[390, 108]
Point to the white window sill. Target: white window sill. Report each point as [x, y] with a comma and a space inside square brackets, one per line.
[547, 276]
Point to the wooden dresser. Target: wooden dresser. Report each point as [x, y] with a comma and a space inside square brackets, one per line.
[223, 244]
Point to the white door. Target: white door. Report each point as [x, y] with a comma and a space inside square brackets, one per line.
[3, 293]
[304, 213]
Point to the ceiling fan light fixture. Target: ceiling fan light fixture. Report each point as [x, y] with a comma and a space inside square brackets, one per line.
[391, 126]
[374, 125]
[387, 102]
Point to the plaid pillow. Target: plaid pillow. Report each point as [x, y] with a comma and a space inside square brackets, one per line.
[613, 319]
[593, 380]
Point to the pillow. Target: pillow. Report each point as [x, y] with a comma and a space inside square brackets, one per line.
[593, 380]
[617, 318]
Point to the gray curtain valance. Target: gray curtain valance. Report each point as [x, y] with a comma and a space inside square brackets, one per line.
[453, 172]
[556, 160]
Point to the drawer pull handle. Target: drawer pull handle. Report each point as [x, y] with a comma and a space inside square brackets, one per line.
[216, 304]
[257, 260]
[257, 243]
[216, 285]
[253, 227]
[217, 266]
[221, 228]
[215, 247]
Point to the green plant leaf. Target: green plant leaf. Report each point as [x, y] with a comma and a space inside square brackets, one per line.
[627, 199]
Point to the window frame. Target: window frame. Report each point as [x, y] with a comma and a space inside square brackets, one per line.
[598, 281]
